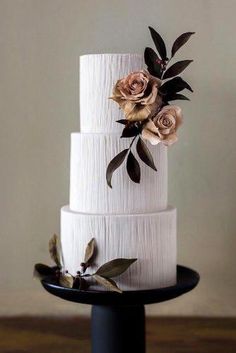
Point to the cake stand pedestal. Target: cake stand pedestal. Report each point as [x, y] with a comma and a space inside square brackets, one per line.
[118, 320]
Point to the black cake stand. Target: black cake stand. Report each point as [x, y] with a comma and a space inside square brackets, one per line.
[118, 320]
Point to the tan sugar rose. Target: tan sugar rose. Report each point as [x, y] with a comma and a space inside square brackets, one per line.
[137, 95]
[163, 127]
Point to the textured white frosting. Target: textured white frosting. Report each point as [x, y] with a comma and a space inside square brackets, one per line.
[98, 75]
[89, 192]
[130, 220]
[149, 237]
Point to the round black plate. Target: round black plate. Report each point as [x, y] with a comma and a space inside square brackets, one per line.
[187, 279]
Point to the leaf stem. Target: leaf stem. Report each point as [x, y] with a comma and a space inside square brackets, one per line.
[132, 142]
[163, 70]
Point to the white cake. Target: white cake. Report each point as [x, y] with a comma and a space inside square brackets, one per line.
[130, 220]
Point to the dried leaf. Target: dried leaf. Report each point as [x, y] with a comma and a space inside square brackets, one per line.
[175, 96]
[41, 271]
[115, 267]
[54, 250]
[114, 164]
[153, 62]
[77, 282]
[66, 280]
[84, 285]
[174, 85]
[176, 69]
[145, 154]
[133, 168]
[89, 252]
[180, 41]
[159, 43]
[107, 283]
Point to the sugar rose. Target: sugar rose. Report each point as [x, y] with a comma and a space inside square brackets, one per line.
[137, 95]
[163, 127]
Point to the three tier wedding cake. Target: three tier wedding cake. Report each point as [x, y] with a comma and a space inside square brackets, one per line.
[118, 173]
[129, 220]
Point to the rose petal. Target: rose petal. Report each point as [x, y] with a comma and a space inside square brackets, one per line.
[137, 113]
[170, 140]
[150, 137]
[141, 88]
[132, 97]
[165, 131]
[151, 126]
[175, 111]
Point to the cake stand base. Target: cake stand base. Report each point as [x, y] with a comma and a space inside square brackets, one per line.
[118, 329]
[118, 320]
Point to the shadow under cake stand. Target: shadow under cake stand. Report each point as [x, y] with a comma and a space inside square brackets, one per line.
[118, 320]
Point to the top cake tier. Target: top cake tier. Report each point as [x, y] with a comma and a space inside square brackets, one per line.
[98, 75]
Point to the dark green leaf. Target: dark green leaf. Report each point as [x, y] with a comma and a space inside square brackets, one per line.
[180, 41]
[145, 154]
[114, 268]
[130, 130]
[153, 62]
[174, 85]
[107, 283]
[66, 280]
[133, 168]
[175, 96]
[114, 164]
[159, 43]
[89, 252]
[122, 121]
[41, 271]
[176, 68]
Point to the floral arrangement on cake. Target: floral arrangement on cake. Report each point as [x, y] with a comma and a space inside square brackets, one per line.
[145, 96]
[103, 275]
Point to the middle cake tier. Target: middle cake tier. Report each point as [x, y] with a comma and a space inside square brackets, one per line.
[89, 192]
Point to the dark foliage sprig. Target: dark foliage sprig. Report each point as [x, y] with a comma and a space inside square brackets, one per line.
[158, 66]
[82, 280]
[169, 90]
[132, 164]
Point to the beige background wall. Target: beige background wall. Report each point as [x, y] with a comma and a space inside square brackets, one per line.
[40, 42]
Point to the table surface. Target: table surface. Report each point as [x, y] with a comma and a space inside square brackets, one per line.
[34, 334]
[187, 279]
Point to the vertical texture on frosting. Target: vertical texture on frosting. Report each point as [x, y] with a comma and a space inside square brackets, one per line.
[89, 192]
[98, 75]
[151, 238]
[130, 220]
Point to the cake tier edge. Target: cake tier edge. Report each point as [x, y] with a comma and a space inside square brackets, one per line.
[151, 238]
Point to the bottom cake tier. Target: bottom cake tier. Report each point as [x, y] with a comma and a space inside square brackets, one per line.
[151, 238]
